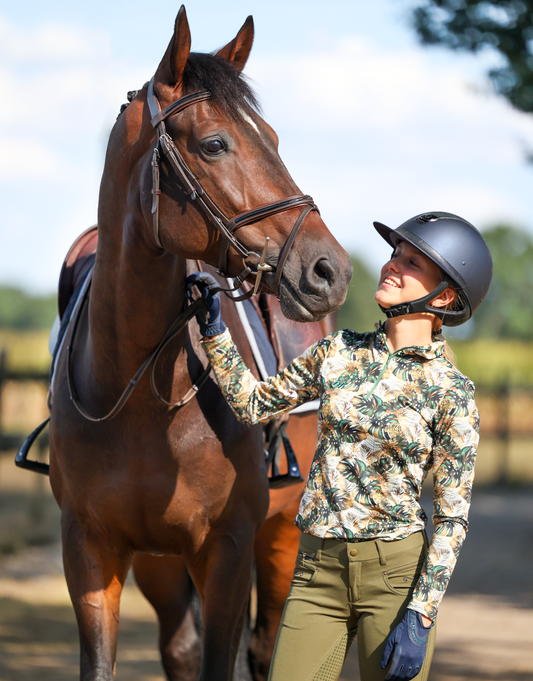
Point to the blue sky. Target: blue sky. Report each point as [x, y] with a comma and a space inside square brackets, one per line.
[373, 126]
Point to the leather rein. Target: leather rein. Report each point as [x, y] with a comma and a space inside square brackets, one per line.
[227, 227]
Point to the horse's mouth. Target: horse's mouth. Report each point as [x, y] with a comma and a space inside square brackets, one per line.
[301, 307]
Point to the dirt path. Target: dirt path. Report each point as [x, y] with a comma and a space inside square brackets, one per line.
[485, 627]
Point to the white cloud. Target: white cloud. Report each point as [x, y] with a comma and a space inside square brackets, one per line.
[28, 158]
[360, 84]
[62, 93]
[50, 42]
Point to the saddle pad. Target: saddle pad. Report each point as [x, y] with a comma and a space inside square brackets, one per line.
[64, 323]
[289, 338]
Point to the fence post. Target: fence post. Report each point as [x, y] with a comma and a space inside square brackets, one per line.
[503, 433]
[3, 374]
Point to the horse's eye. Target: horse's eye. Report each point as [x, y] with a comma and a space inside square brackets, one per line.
[213, 146]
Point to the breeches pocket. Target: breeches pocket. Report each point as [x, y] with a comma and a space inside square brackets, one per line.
[402, 579]
[306, 569]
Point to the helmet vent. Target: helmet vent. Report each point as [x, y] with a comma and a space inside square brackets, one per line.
[426, 217]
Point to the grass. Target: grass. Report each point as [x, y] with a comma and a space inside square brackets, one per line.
[25, 350]
[493, 362]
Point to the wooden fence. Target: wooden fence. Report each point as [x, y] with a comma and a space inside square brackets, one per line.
[12, 440]
[506, 416]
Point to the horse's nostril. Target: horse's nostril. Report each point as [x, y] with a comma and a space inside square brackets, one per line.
[324, 270]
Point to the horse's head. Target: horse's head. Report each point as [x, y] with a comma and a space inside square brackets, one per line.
[213, 186]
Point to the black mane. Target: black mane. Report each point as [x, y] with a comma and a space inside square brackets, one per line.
[228, 86]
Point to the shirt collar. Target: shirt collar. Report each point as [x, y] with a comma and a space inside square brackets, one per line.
[435, 349]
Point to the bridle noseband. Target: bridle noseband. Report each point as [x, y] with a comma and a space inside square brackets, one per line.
[227, 227]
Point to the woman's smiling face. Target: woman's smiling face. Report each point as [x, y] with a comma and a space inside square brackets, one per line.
[407, 276]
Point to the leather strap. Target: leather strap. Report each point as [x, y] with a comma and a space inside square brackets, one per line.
[286, 248]
[177, 326]
[159, 115]
[196, 192]
[255, 215]
[156, 192]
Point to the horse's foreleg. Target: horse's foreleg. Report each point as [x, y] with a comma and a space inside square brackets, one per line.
[223, 581]
[95, 572]
[276, 546]
[165, 583]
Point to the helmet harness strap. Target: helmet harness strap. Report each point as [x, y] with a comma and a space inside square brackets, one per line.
[419, 305]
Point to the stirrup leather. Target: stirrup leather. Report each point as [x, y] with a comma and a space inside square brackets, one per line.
[275, 434]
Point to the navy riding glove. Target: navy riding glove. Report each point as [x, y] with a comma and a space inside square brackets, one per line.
[406, 648]
[209, 318]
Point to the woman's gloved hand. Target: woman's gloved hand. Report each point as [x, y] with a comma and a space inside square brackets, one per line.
[405, 648]
[209, 318]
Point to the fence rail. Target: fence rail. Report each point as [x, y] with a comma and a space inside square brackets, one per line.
[10, 441]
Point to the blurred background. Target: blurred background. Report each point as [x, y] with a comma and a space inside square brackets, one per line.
[384, 110]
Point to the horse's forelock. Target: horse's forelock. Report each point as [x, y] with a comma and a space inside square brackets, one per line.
[228, 86]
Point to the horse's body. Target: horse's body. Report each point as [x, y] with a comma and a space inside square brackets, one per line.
[175, 492]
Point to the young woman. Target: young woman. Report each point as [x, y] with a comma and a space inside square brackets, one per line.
[392, 409]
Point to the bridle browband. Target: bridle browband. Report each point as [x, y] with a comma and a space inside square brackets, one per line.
[227, 227]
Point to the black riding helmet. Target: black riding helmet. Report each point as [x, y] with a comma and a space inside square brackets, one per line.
[458, 249]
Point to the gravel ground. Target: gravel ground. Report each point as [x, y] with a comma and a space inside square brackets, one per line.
[485, 626]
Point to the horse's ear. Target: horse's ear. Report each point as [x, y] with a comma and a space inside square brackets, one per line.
[171, 68]
[238, 50]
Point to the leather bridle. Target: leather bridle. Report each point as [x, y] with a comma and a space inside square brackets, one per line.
[227, 227]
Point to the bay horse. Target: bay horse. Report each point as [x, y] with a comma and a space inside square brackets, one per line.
[177, 492]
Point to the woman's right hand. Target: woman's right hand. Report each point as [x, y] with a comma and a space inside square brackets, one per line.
[209, 317]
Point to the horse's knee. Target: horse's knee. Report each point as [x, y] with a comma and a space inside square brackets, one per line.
[95, 575]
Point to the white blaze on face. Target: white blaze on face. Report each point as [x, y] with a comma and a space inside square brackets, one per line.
[250, 120]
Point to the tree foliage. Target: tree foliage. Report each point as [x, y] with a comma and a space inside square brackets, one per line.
[360, 311]
[507, 311]
[18, 310]
[504, 25]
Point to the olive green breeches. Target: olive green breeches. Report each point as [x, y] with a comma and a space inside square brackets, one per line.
[340, 591]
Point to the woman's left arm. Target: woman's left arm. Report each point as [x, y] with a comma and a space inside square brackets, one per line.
[456, 437]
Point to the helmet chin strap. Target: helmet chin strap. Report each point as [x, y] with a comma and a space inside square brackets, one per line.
[419, 305]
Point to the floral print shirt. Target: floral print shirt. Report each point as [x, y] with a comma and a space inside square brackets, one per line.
[385, 420]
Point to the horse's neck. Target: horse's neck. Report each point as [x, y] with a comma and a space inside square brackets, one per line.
[136, 295]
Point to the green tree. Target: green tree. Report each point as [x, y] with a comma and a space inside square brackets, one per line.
[360, 311]
[18, 310]
[507, 311]
[506, 26]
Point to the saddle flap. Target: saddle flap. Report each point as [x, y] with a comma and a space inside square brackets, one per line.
[76, 266]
